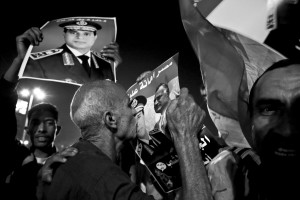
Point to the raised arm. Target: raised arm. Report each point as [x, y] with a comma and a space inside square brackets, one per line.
[32, 36]
[185, 119]
[8, 101]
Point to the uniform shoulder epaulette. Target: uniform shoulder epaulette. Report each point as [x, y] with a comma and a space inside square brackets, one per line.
[99, 55]
[43, 54]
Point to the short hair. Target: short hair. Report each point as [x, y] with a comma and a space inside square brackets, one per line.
[90, 102]
[43, 107]
[164, 85]
[279, 64]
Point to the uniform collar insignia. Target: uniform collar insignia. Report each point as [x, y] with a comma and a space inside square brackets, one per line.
[67, 59]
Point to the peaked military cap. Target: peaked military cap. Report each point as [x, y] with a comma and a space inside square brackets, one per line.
[81, 24]
[138, 101]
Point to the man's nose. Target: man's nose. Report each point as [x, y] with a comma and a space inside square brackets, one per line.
[79, 35]
[42, 127]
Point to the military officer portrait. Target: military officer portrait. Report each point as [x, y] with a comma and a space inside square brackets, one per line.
[75, 61]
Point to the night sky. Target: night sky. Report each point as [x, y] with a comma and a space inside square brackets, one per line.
[148, 32]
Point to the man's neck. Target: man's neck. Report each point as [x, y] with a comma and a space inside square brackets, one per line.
[44, 153]
[118, 147]
[108, 145]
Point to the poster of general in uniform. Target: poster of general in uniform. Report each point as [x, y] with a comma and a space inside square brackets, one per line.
[71, 51]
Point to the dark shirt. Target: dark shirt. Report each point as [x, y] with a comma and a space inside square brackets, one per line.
[62, 64]
[90, 174]
[24, 180]
[13, 153]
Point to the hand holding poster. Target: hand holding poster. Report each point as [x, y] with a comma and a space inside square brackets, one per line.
[151, 97]
[57, 57]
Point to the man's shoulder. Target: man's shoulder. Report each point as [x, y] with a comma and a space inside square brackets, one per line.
[235, 155]
[46, 53]
[90, 154]
[99, 56]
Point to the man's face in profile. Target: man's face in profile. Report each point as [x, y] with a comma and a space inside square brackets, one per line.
[140, 125]
[276, 110]
[161, 100]
[80, 39]
[126, 120]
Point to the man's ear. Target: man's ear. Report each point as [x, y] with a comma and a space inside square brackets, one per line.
[110, 120]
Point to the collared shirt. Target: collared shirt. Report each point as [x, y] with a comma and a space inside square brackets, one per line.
[77, 53]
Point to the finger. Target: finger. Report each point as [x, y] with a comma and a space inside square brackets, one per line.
[113, 47]
[25, 37]
[47, 175]
[71, 151]
[33, 35]
[38, 33]
[113, 56]
[58, 158]
[33, 38]
[109, 52]
[171, 108]
[184, 92]
[182, 100]
[69, 148]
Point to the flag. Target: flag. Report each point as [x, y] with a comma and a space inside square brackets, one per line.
[229, 64]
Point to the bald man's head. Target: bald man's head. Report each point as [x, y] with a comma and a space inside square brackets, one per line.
[92, 99]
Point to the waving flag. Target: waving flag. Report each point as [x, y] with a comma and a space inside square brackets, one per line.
[229, 64]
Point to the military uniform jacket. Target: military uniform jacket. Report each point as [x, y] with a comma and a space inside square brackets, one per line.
[62, 64]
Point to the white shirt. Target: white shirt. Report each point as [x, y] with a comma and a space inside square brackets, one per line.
[77, 53]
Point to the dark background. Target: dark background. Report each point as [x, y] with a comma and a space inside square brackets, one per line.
[148, 32]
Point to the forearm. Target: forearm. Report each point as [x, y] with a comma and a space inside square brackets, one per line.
[8, 123]
[11, 75]
[8, 101]
[195, 183]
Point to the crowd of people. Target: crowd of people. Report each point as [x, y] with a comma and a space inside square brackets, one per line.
[109, 120]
